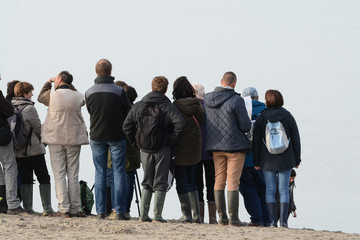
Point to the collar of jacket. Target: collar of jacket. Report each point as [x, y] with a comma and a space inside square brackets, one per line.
[104, 79]
[63, 86]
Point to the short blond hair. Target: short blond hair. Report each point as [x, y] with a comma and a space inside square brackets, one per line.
[159, 84]
[22, 88]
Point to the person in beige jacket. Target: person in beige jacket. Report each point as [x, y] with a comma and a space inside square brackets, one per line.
[31, 158]
[64, 131]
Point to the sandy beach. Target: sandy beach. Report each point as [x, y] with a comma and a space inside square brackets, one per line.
[27, 226]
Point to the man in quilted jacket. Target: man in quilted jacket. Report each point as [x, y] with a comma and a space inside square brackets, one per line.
[227, 122]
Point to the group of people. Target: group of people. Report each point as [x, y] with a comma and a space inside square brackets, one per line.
[195, 132]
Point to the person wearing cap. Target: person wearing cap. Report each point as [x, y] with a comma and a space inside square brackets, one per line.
[252, 183]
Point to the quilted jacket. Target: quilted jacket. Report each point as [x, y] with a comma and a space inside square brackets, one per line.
[227, 121]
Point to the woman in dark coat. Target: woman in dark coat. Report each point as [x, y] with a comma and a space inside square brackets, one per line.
[276, 165]
[188, 154]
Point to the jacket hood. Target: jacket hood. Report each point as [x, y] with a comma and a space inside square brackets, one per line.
[218, 97]
[21, 101]
[256, 103]
[155, 97]
[104, 79]
[275, 114]
[188, 106]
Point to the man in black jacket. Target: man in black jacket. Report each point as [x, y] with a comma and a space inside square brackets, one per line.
[155, 161]
[108, 106]
[8, 162]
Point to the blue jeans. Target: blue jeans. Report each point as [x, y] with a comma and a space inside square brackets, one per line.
[130, 183]
[185, 179]
[100, 157]
[272, 184]
[252, 188]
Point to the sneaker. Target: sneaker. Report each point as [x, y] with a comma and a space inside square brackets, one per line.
[112, 215]
[62, 214]
[17, 210]
[78, 214]
[122, 217]
[48, 214]
[127, 214]
[252, 224]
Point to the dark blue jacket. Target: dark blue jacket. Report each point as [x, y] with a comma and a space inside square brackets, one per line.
[227, 121]
[257, 108]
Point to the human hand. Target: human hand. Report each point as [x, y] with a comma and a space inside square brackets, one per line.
[294, 214]
[257, 167]
[297, 166]
[51, 80]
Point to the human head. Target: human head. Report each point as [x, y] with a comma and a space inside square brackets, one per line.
[159, 84]
[121, 83]
[131, 92]
[182, 88]
[250, 91]
[229, 80]
[103, 67]
[11, 86]
[199, 90]
[63, 77]
[273, 98]
[23, 89]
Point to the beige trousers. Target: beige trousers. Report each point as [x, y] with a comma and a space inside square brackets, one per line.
[65, 166]
[228, 168]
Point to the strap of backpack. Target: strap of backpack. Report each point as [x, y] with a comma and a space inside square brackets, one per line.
[197, 123]
[29, 141]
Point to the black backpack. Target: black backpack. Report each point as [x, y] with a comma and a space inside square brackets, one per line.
[150, 133]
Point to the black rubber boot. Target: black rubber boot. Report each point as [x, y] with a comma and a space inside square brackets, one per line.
[284, 210]
[233, 205]
[271, 207]
[45, 194]
[146, 196]
[185, 208]
[3, 203]
[221, 207]
[158, 206]
[195, 206]
[27, 197]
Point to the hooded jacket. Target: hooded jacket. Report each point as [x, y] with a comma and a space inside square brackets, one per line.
[6, 110]
[189, 150]
[32, 121]
[173, 121]
[276, 162]
[227, 121]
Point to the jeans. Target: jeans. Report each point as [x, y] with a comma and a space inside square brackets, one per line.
[130, 184]
[185, 179]
[100, 158]
[253, 188]
[208, 165]
[272, 184]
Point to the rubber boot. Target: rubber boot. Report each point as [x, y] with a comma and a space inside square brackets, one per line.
[195, 206]
[221, 207]
[271, 207]
[202, 205]
[145, 205]
[233, 204]
[284, 210]
[26, 191]
[45, 194]
[212, 212]
[185, 208]
[3, 203]
[158, 206]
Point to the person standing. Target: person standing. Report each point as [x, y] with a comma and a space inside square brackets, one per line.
[252, 183]
[276, 165]
[31, 158]
[227, 122]
[64, 131]
[206, 163]
[7, 159]
[156, 137]
[188, 153]
[108, 106]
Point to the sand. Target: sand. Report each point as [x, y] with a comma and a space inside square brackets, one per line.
[27, 226]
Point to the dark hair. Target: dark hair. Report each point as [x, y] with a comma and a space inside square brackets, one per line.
[159, 84]
[103, 67]
[121, 83]
[273, 98]
[183, 88]
[131, 92]
[11, 86]
[229, 78]
[293, 173]
[22, 88]
[66, 77]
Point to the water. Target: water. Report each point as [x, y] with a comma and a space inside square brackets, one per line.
[308, 50]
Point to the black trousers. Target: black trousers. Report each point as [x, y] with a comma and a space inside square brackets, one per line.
[27, 166]
[208, 165]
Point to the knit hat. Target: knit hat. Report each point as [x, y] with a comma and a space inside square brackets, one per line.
[250, 91]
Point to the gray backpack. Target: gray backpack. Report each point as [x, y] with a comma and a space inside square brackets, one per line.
[276, 140]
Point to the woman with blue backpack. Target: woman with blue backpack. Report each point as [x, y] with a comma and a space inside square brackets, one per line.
[276, 149]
